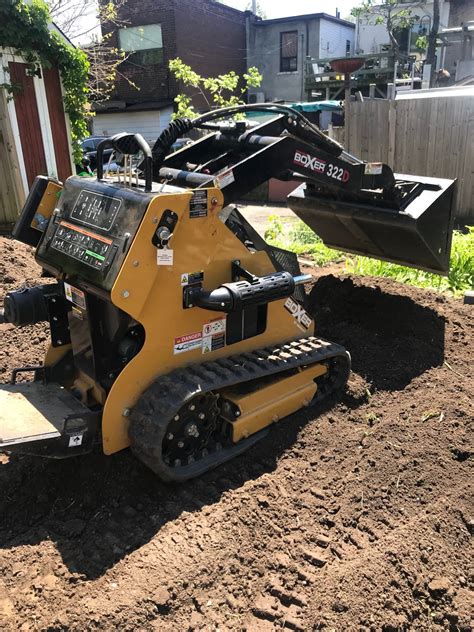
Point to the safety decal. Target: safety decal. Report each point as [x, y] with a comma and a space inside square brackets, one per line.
[75, 441]
[198, 204]
[192, 278]
[77, 313]
[213, 335]
[74, 295]
[302, 318]
[224, 179]
[187, 342]
[373, 168]
[164, 257]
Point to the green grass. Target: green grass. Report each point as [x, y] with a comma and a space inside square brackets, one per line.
[301, 240]
[459, 279]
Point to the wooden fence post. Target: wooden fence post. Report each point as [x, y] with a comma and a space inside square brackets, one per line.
[392, 135]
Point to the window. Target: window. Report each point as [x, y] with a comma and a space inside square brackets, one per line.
[289, 51]
[144, 42]
[348, 48]
[88, 145]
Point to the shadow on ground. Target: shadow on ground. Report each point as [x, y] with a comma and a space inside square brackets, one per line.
[391, 338]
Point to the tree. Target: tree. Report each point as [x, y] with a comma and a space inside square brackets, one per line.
[258, 9]
[395, 15]
[74, 18]
[433, 34]
[219, 91]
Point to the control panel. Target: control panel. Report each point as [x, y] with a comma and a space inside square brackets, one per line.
[92, 249]
[91, 230]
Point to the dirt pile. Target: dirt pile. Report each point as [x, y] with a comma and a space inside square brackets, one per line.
[27, 346]
[353, 517]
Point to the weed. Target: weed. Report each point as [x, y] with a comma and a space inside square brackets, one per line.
[371, 418]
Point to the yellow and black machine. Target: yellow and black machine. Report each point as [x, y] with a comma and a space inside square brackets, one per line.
[175, 329]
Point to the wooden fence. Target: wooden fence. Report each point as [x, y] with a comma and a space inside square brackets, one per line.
[420, 136]
[11, 189]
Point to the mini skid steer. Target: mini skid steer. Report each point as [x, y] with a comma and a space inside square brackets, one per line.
[175, 328]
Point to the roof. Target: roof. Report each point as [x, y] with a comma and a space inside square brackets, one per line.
[54, 27]
[305, 17]
[452, 91]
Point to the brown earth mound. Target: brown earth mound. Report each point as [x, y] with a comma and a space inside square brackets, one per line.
[357, 516]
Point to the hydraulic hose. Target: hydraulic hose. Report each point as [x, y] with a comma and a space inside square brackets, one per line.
[295, 123]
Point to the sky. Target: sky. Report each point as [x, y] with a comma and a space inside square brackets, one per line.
[283, 8]
[272, 9]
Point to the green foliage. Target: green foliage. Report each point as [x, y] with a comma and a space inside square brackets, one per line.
[394, 14]
[220, 91]
[421, 43]
[24, 28]
[274, 230]
[379, 11]
[303, 241]
[459, 279]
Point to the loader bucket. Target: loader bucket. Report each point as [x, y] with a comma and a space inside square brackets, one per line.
[418, 234]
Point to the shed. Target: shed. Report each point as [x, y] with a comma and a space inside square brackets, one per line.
[34, 132]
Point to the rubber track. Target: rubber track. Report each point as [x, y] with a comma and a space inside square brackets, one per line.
[164, 398]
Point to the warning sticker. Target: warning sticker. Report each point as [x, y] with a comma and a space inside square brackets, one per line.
[187, 342]
[75, 441]
[213, 335]
[214, 327]
[224, 179]
[192, 278]
[211, 343]
[77, 313]
[164, 257]
[373, 168]
[198, 204]
[74, 295]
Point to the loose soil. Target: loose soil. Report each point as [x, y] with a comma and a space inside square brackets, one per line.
[355, 516]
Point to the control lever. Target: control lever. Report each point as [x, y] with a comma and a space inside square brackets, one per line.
[128, 145]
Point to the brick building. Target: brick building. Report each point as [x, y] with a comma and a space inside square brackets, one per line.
[205, 34]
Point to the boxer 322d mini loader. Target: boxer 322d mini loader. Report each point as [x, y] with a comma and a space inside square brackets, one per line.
[175, 329]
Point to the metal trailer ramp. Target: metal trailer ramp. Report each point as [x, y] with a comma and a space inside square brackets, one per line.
[417, 235]
[44, 419]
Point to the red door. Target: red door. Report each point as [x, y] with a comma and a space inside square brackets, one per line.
[28, 121]
[58, 122]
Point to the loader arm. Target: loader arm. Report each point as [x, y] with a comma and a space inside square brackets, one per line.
[355, 206]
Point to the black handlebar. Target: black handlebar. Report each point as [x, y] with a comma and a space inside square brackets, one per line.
[129, 145]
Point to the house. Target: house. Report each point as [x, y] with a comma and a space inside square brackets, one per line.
[207, 35]
[34, 131]
[374, 38]
[457, 50]
[279, 48]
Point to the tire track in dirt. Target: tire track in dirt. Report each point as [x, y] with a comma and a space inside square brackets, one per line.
[352, 517]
